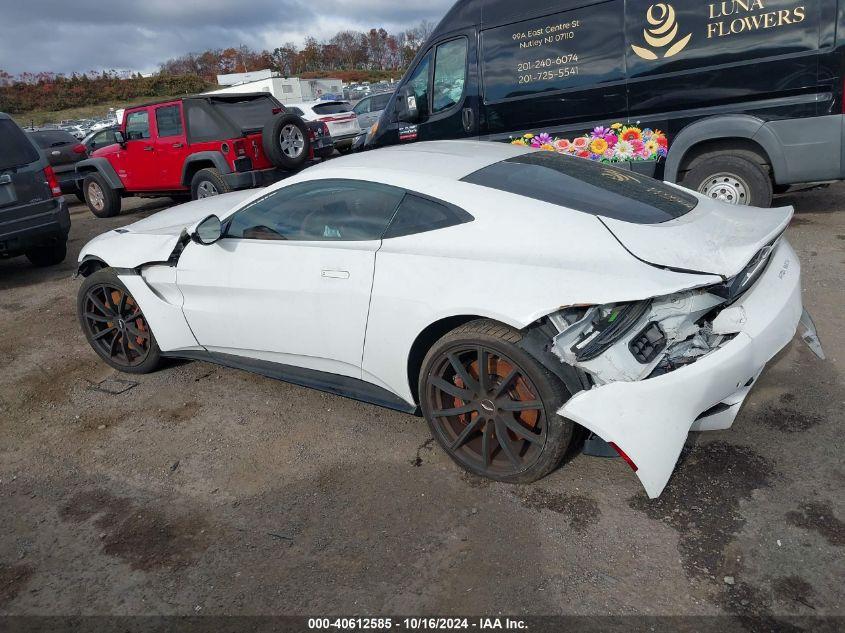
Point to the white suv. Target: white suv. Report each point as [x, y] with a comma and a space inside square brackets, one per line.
[338, 115]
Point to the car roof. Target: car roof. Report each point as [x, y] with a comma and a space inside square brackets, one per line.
[451, 160]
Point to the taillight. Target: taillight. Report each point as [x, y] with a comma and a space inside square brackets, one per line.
[240, 148]
[276, 110]
[622, 454]
[52, 182]
[79, 148]
[325, 129]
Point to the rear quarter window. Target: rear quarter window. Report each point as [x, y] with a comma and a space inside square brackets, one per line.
[17, 149]
[52, 138]
[587, 186]
[417, 214]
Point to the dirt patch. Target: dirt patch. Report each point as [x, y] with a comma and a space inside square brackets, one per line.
[13, 307]
[786, 418]
[425, 446]
[799, 221]
[819, 517]
[182, 413]
[144, 538]
[792, 589]
[474, 481]
[581, 511]
[12, 580]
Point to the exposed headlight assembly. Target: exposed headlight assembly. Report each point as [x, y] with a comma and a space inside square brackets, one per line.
[602, 326]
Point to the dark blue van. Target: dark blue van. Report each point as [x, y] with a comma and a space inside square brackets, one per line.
[749, 92]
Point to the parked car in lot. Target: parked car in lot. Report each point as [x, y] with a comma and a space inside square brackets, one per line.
[100, 138]
[34, 219]
[200, 146]
[750, 94]
[338, 115]
[63, 151]
[507, 293]
[369, 109]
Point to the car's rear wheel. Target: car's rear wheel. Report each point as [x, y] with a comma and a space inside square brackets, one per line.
[114, 324]
[731, 179]
[286, 141]
[492, 406]
[103, 201]
[208, 182]
[50, 255]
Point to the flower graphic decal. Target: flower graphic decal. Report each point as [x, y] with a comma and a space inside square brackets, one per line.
[663, 32]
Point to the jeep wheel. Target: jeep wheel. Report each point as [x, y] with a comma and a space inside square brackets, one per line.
[286, 141]
[208, 182]
[103, 201]
[47, 255]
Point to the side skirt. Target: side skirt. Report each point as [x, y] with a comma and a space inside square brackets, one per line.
[332, 383]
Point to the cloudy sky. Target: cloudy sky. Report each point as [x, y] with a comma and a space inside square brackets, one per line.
[80, 35]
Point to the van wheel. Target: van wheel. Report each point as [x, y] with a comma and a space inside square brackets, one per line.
[103, 201]
[730, 179]
[47, 255]
[286, 141]
[208, 182]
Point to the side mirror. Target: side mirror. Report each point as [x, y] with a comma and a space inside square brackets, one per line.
[208, 231]
[406, 106]
[119, 138]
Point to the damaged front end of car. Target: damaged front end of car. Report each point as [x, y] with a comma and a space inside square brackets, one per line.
[660, 367]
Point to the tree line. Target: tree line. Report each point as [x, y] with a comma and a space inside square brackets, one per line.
[348, 55]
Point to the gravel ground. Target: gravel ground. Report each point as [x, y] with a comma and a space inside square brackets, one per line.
[205, 490]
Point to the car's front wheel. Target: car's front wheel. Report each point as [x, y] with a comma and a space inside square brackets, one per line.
[492, 406]
[103, 201]
[115, 325]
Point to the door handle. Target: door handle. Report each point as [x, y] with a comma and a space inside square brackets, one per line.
[149, 148]
[468, 117]
[334, 274]
[178, 145]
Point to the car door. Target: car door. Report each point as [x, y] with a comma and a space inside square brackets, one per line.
[290, 281]
[170, 144]
[137, 161]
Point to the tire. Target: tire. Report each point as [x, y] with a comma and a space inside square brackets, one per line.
[47, 255]
[132, 348]
[442, 385]
[103, 201]
[286, 141]
[731, 179]
[208, 182]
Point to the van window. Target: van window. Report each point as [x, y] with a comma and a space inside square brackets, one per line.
[419, 84]
[450, 64]
[581, 47]
[586, 186]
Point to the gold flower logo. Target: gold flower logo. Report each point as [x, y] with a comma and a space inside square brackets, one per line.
[663, 31]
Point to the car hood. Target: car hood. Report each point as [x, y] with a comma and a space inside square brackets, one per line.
[714, 238]
[174, 220]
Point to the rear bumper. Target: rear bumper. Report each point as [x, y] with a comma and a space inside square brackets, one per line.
[69, 181]
[345, 140]
[23, 228]
[649, 419]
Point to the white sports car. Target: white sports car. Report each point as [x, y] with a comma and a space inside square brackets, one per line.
[508, 294]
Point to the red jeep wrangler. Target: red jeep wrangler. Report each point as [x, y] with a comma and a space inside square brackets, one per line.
[200, 146]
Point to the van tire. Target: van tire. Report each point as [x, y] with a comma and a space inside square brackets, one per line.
[746, 182]
[103, 201]
[50, 255]
[206, 181]
[271, 142]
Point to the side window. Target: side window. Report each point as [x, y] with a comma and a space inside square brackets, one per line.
[417, 215]
[449, 74]
[379, 103]
[362, 107]
[322, 210]
[419, 84]
[106, 137]
[138, 125]
[169, 121]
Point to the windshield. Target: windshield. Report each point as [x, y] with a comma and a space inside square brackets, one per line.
[17, 149]
[331, 108]
[248, 114]
[587, 186]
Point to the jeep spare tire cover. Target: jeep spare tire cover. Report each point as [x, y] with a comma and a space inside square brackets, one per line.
[286, 141]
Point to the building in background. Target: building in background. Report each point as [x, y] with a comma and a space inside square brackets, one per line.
[285, 89]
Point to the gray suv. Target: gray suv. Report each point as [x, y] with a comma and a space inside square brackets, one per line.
[34, 219]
